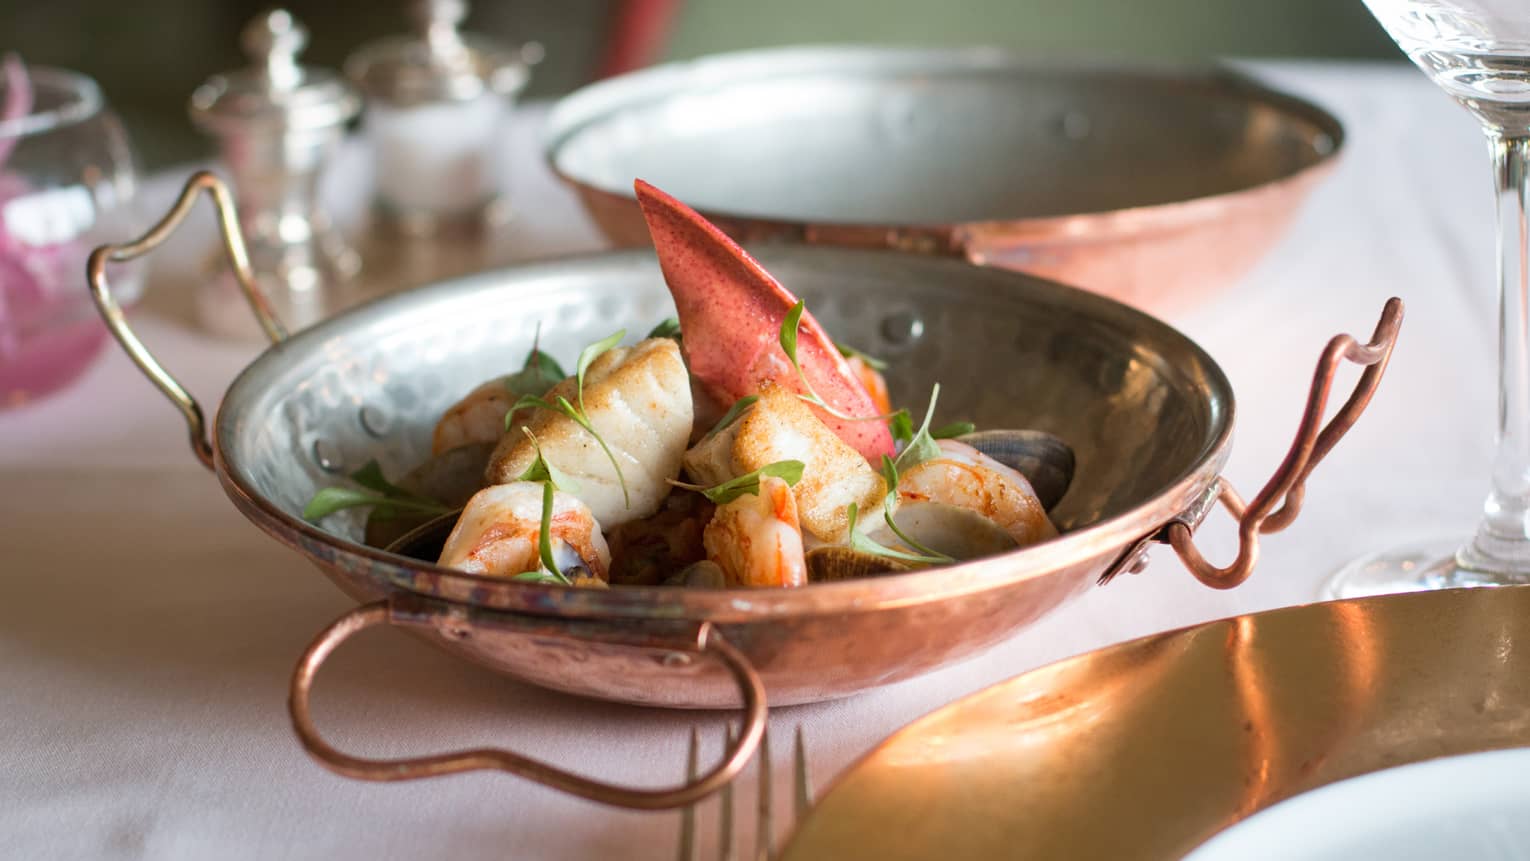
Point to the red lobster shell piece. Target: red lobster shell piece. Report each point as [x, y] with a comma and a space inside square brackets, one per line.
[730, 312]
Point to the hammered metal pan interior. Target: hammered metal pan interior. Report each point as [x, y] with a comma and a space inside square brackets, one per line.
[1147, 412]
[1152, 184]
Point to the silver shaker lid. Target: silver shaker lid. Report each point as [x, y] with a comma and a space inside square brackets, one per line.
[274, 91]
[439, 63]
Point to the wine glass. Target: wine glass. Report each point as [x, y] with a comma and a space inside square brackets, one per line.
[67, 183]
[1478, 51]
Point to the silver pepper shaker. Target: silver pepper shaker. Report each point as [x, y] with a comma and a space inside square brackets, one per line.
[436, 104]
[277, 125]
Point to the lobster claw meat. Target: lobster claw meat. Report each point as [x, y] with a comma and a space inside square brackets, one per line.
[731, 311]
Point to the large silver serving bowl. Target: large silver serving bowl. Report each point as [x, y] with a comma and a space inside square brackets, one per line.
[1147, 412]
[1155, 185]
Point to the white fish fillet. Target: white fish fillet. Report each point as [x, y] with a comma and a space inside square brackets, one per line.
[779, 426]
[639, 400]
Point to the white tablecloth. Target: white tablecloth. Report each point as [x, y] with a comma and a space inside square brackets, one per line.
[147, 631]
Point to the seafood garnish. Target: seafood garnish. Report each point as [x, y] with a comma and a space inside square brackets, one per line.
[626, 440]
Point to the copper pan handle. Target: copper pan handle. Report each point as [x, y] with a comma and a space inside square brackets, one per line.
[1313, 442]
[707, 639]
[116, 321]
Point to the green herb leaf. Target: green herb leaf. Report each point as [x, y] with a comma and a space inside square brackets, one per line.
[538, 373]
[668, 328]
[733, 414]
[864, 544]
[371, 477]
[890, 476]
[589, 354]
[901, 424]
[540, 576]
[541, 469]
[871, 361]
[534, 379]
[332, 499]
[789, 471]
[544, 540]
[953, 430]
[386, 498]
[922, 447]
[789, 325]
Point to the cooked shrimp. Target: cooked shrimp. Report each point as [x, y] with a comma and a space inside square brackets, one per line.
[967, 478]
[756, 540]
[500, 527]
[639, 400]
[477, 418]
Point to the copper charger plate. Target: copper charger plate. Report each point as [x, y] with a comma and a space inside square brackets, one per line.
[1149, 748]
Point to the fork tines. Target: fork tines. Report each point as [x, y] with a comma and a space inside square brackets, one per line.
[764, 835]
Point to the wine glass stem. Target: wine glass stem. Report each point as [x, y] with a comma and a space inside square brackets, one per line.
[1502, 542]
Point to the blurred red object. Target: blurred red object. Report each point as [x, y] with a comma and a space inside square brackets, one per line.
[639, 31]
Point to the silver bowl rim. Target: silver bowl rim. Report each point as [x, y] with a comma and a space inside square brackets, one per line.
[578, 110]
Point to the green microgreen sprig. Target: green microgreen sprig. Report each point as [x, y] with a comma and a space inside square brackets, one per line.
[864, 544]
[538, 373]
[577, 414]
[386, 499]
[953, 430]
[789, 328]
[789, 471]
[890, 505]
[739, 407]
[552, 479]
[921, 446]
[669, 327]
[871, 361]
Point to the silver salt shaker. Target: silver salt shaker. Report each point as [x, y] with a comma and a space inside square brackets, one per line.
[277, 125]
[436, 104]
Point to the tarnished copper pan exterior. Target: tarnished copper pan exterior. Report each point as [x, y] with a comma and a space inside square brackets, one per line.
[1147, 412]
[1152, 185]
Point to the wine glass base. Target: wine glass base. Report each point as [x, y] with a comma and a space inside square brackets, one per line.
[1413, 568]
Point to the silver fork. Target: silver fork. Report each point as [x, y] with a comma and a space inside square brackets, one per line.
[764, 835]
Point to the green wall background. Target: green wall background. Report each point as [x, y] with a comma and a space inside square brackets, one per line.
[150, 54]
[1160, 29]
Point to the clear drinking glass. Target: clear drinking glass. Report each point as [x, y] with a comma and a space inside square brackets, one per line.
[1478, 51]
[67, 181]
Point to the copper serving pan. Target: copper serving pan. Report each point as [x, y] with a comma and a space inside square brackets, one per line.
[1152, 185]
[1183, 734]
[1147, 412]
